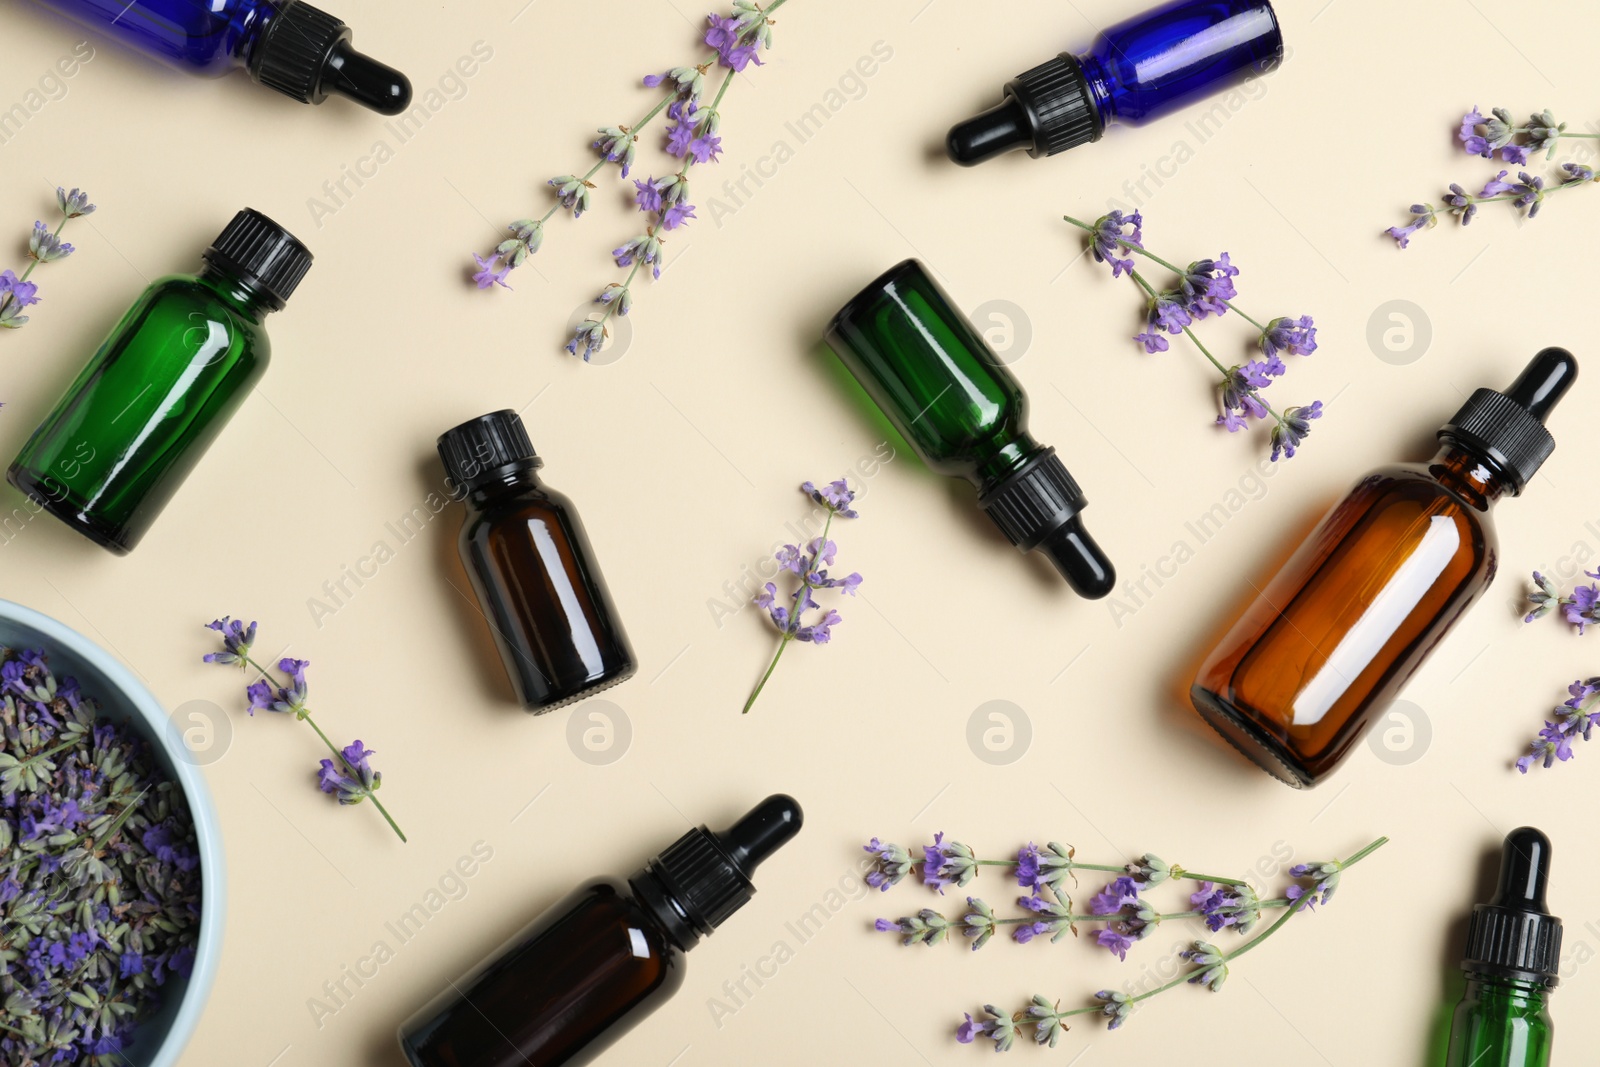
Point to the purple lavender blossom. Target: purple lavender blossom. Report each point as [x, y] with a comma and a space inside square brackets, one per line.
[1573, 722]
[490, 272]
[236, 641]
[1422, 217]
[891, 864]
[45, 246]
[1297, 337]
[1108, 238]
[1544, 598]
[835, 495]
[574, 193]
[1293, 427]
[1208, 285]
[352, 780]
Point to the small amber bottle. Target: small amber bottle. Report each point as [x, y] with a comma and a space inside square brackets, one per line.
[1337, 632]
[534, 572]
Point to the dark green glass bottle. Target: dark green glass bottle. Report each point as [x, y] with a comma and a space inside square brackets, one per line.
[1513, 951]
[964, 412]
[116, 447]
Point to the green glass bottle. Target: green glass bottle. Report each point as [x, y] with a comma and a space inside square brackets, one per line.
[116, 447]
[1513, 952]
[966, 415]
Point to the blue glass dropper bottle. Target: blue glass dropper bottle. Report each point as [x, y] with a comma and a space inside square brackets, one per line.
[1136, 71]
[286, 45]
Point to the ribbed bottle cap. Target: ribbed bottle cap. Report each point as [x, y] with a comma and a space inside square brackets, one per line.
[486, 447]
[706, 876]
[1506, 430]
[264, 253]
[291, 54]
[1056, 96]
[1514, 936]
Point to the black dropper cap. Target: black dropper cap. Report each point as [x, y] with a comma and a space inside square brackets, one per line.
[1039, 507]
[1506, 430]
[488, 448]
[1514, 935]
[704, 877]
[1046, 110]
[305, 53]
[265, 255]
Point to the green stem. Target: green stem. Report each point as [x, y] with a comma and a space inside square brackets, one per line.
[304, 714]
[794, 619]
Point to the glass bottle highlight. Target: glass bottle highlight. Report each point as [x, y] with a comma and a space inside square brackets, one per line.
[116, 447]
[1512, 958]
[595, 964]
[286, 45]
[530, 562]
[1136, 71]
[954, 400]
[1338, 631]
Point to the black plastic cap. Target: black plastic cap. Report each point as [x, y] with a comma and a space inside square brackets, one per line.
[704, 877]
[487, 448]
[305, 54]
[1514, 935]
[1037, 508]
[264, 254]
[1506, 430]
[1046, 110]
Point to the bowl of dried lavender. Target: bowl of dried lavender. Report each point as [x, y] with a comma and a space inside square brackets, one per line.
[110, 859]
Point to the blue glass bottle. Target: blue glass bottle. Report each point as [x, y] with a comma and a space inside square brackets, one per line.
[1136, 71]
[286, 45]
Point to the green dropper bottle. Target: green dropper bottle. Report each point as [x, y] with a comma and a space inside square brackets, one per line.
[1513, 952]
[964, 412]
[149, 403]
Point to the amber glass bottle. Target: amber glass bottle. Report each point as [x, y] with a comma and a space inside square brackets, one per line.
[591, 967]
[1333, 637]
[530, 562]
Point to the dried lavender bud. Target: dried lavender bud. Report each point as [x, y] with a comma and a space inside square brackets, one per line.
[99, 874]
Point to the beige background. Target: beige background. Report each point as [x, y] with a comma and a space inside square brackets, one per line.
[683, 456]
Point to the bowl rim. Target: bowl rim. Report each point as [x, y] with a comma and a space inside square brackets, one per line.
[208, 838]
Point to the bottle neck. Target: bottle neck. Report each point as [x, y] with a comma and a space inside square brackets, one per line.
[1005, 461]
[658, 902]
[248, 298]
[1468, 476]
[501, 485]
[1099, 81]
[1511, 992]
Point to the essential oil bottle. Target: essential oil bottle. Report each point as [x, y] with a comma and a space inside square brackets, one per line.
[595, 964]
[530, 561]
[116, 447]
[1513, 954]
[1136, 71]
[966, 415]
[286, 45]
[1335, 635]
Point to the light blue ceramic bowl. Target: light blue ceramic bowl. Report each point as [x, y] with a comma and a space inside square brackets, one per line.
[159, 1039]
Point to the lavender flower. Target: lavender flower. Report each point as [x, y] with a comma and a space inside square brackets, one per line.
[44, 246]
[574, 194]
[1001, 1029]
[1581, 609]
[1573, 721]
[1325, 878]
[1206, 289]
[1211, 968]
[1227, 905]
[947, 864]
[1041, 869]
[811, 566]
[979, 923]
[892, 864]
[1422, 217]
[352, 780]
[1116, 1006]
[349, 775]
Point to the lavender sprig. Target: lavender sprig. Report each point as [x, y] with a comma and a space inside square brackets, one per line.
[44, 246]
[1209, 968]
[1499, 135]
[810, 565]
[349, 776]
[1204, 289]
[735, 42]
[1573, 720]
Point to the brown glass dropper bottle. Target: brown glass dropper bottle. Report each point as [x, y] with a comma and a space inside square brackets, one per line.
[1341, 627]
[591, 967]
